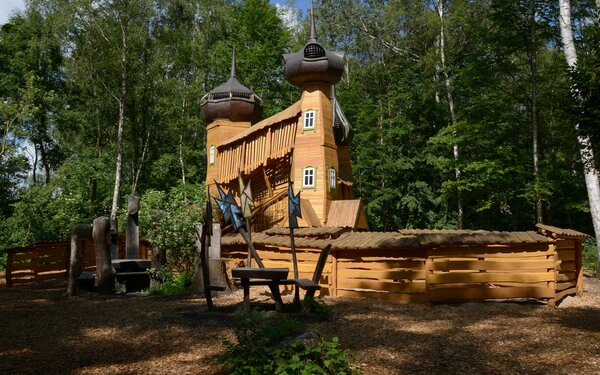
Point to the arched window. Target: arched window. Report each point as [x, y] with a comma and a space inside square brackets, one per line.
[211, 155]
[309, 120]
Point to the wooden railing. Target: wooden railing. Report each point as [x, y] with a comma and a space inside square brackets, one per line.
[46, 260]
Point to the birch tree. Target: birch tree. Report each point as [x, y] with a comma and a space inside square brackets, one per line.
[585, 144]
[450, 98]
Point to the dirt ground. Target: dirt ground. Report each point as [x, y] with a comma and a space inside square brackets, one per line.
[43, 332]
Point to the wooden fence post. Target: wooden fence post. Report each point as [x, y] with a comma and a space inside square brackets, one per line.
[552, 284]
[579, 267]
[334, 273]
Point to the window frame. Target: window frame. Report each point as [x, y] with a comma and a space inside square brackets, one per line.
[309, 115]
[313, 176]
[212, 155]
[332, 178]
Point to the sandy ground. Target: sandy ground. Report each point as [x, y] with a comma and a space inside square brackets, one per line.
[42, 332]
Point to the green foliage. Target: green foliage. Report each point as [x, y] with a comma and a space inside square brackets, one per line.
[170, 220]
[175, 286]
[260, 350]
[590, 256]
[161, 276]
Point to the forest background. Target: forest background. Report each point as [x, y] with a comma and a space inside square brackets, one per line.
[465, 113]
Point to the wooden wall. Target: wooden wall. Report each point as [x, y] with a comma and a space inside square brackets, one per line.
[545, 271]
[569, 272]
[46, 260]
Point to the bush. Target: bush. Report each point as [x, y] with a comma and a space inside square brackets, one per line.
[173, 226]
[260, 350]
[174, 286]
[590, 256]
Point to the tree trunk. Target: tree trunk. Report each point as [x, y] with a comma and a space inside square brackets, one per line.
[455, 149]
[534, 115]
[120, 126]
[105, 276]
[585, 144]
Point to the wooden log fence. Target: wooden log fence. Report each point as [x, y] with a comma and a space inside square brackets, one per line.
[47, 260]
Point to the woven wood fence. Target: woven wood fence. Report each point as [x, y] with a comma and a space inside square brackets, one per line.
[546, 270]
[46, 260]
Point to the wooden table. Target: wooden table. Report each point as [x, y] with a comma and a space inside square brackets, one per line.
[272, 277]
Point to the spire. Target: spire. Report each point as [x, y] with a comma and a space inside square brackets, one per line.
[232, 100]
[313, 28]
[233, 72]
[313, 63]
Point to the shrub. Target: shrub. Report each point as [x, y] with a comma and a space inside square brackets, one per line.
[590, 256]
[175, 286]
[176, 215]
[261, 348]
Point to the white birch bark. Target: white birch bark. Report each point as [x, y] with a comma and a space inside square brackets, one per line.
[455, 149]
[120, 126]
[585, 144]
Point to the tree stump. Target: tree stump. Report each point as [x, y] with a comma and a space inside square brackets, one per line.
[132, 236]
[105, 275]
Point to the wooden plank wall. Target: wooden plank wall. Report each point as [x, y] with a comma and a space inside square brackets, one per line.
[396, 275]
[46, 260]
[490, 272]
[568, 268]
[439, 274]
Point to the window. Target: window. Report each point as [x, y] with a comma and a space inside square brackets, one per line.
[309, 120]
[332, 178]
[211, 155]
[308, 178]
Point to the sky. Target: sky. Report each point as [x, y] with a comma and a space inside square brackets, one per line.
[8, 6]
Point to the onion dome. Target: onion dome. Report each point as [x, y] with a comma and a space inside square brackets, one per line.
[342, 130]
[232, 101]
[314, 63]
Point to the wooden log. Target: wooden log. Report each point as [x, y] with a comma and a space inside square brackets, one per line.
[132, 236]
[80, 231]
[105, 277]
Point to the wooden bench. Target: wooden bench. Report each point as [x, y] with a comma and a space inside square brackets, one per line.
[275, 277]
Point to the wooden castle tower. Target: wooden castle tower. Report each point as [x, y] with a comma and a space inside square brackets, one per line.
[308, 143]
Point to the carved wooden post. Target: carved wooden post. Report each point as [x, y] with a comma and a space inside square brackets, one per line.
[132, 237]
[105, 276]
[114, 237]
[80, 231]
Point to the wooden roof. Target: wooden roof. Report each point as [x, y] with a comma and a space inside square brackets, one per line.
[290, 112]
[560, 232]
[316, 238]
[323, 232]
[347, 214]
